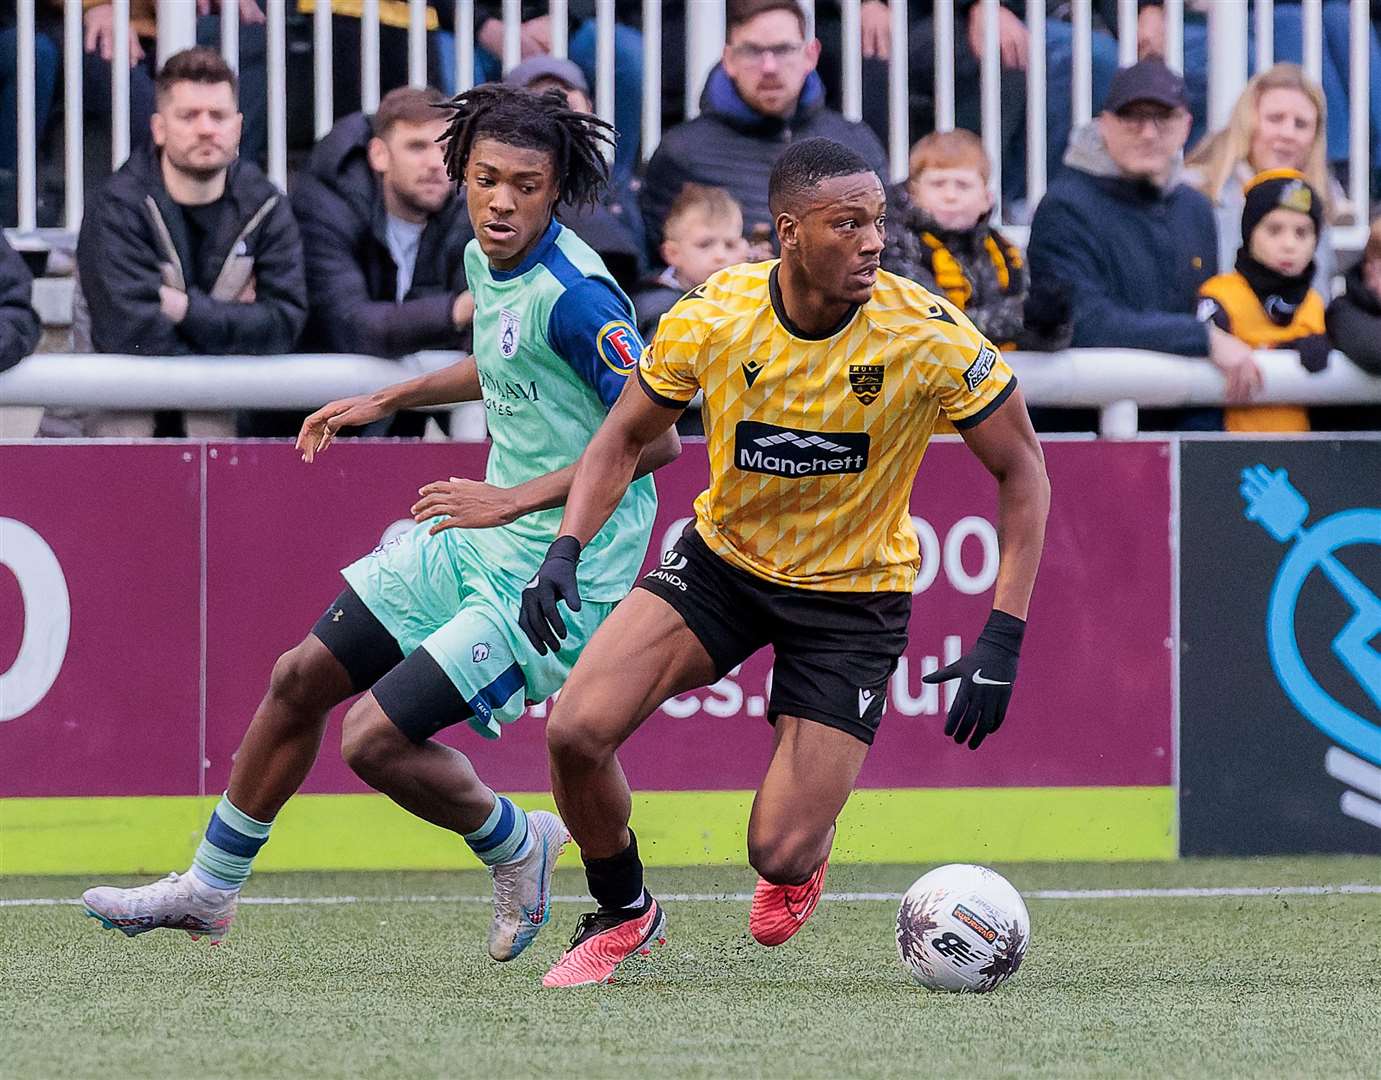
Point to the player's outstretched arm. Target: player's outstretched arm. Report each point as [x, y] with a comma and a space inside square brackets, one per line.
[449, 385]
[602, 475]
[473, 504]
[1007, 445]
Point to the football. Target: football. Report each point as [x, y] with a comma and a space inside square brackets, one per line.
[962, 929]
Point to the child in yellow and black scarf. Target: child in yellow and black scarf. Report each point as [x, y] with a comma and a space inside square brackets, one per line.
[938, 235]
[1267, 300]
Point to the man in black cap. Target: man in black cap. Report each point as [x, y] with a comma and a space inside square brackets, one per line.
[613, 226]
[1132, 244]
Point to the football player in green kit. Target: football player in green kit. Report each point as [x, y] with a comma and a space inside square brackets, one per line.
[427, 626]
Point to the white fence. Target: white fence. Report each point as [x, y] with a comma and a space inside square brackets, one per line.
[1229, 43]
[1116, 381]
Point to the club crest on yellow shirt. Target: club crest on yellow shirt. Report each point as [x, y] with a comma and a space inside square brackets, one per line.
[866, 381]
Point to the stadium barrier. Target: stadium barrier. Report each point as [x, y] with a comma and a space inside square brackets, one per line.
[148, 588]
[1203, 675]
[1116, 381]
[1229, 46]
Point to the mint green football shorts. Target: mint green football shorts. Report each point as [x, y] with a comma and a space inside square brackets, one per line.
[436, 593]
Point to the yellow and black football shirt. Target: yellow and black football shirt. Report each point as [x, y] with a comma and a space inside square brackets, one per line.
[814, 443]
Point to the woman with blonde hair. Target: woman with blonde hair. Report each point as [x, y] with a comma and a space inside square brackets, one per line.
[1277, 123]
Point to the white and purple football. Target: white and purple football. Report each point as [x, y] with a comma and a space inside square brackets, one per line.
[962, 929]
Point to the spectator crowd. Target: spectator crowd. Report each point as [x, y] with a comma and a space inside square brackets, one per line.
[1153, 233]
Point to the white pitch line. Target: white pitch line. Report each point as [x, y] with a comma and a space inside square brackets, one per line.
[744, 897]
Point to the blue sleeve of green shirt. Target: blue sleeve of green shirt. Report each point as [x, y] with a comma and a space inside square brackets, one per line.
[593, 330]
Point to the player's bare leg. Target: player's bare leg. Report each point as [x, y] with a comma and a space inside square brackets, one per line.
[273, 759]
[439, 785]
[428, 779]
[284, 738]
[642, 655]
[791, 828]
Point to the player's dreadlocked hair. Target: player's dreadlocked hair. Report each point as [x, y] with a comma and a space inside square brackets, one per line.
[517, 117]
[803, 165]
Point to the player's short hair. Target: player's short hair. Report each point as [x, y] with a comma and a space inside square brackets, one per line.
[198, 65]
[408, 105]
[738, 12]
[517, 117]
[804, 165]
[712, 202]
[957, 149]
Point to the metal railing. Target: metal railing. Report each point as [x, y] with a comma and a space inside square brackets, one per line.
[1115, 381]
[704, 34]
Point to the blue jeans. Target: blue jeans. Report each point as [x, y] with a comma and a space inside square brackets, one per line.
[253, 79]
[1059, 83]
[1196, 79]
[46, 56]
[1059, 105]
[628, 82]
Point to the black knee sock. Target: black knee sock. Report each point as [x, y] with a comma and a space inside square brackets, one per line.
[617, 882]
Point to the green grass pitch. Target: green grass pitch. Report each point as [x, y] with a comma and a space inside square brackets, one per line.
[394, 985]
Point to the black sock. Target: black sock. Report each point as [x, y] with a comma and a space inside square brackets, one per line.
[617, 882]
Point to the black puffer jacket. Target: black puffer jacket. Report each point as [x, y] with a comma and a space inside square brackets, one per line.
[134, 239]
[19, 327]
[981, 273]
[351, 277]
[1354, 323]
[731, 146]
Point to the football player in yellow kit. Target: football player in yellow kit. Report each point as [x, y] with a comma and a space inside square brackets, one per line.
[823, 377]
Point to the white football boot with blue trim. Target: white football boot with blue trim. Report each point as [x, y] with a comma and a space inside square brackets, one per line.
[522, 888]
[178, 902]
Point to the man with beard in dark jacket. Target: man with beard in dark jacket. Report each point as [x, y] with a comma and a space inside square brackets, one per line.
[763, 96]
[1134, 244]
[19, 326]
[186, 250]
[384, 236]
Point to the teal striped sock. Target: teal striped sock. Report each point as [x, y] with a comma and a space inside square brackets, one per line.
[227, 851]
[503, 836]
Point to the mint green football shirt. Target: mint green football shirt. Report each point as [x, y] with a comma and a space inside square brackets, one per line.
[555, 341]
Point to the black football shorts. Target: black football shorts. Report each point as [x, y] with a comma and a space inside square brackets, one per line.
[835, 651]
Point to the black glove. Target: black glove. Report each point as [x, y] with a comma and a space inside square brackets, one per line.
[987, 671]
[1047, 304]
[555, 581]
[1313, 351]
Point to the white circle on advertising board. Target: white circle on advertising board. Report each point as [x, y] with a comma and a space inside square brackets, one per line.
[47, 612]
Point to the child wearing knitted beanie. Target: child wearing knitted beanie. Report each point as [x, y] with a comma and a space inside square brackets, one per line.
[1266, 301]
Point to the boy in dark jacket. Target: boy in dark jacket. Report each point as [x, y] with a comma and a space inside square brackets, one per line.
[187, 250]
[1354, 327]
[1354, 319]
[704, 233]
[938, 234]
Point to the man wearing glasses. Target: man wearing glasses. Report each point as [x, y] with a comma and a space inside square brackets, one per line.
[1131, 243]
[764, 95]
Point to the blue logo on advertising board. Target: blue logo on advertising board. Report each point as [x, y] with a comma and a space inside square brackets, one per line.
[1279, 508]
